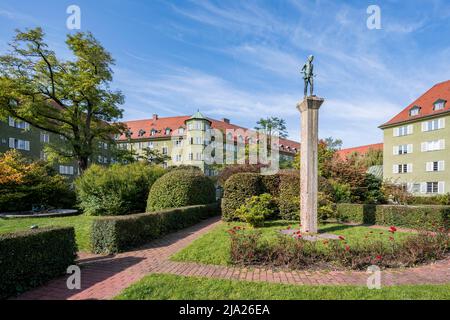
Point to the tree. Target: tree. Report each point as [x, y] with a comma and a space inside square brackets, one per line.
[71, 98]
[273, 127]
[153, 156]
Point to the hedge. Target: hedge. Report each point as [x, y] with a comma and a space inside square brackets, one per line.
[181, 188]
[117, 234]
[289, 196]
[31, 258]
[237, 189]
[418, 217]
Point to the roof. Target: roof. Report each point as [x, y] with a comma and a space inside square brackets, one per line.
[440, 91]
[198, 116]
[160, 125]
[344, 153]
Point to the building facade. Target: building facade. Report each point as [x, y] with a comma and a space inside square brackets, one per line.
[185, 138]
[31, 142]
[417, 142]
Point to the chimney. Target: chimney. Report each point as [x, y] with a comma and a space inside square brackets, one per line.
[226, 120]
[155, 117]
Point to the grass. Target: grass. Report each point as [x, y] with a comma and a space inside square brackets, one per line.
[172, 287]
[214, 247]
[81, 223]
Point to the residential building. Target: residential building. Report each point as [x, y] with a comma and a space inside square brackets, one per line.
[417, 142]
[361, 150]
[184, 139]
[31, 141]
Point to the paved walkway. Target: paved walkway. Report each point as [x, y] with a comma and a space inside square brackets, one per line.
[103, 277]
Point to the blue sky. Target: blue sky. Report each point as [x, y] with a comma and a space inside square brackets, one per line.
[241, 59]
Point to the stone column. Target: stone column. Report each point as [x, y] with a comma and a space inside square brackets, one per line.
[309, 175]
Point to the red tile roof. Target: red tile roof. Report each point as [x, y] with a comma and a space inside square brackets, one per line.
[344, 153]
[174, 123]
[440, 91]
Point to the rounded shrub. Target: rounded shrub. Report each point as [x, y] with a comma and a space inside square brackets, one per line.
[116, 190]
[181, 188]
[237, 189]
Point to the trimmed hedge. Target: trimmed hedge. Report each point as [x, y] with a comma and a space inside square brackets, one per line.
[117, 234]
[31, 258]
[238, 188]
[181, 188]
[289, 196]
[428, 217]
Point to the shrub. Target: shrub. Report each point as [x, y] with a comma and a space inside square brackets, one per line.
[341, 192]
[184, 167]
[238, 188]
[231, 170]
[271, 184]
[117, 234]
[116, 190]
[29, 259]
[256, 210]
[249, 248]
[325, 207]
[289, 196]
[417, 217]
[442, 199]
[24, 183]
[181, 188]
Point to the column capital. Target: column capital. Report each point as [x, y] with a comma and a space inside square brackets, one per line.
[311, 102]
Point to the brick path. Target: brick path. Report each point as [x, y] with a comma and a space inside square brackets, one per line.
[103, 277]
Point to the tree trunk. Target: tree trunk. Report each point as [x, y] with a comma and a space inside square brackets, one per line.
[82, 163]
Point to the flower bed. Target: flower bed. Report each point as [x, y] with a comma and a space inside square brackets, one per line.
[248, 248]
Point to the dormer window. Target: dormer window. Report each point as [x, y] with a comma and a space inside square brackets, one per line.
[141, 133]
[168, 131]
[181, 130]
[153, 132]
[415, 111]
[439, 105]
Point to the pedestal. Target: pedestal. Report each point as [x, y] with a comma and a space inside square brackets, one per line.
[309, 175]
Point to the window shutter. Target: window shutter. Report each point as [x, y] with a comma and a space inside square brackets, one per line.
[396, 132]
[424, 126]
[395, 168]
[424, 147]
[26, 126]
[441, 187]
[71, 170]
[12, 123]
[442, 144]
[410, 129]
[410, 148]
[423, 187]
[409, 187]
[441, 123]
[409, 167]
[396, 150]
[12, 143]
[27, 145]
[429, 167]
[441, 165]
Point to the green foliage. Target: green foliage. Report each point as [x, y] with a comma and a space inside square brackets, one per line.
[181, 188]
[71, 98]
[24, 183]
[342, 192]
[116, 190]
[273, 127]
[238, 188]
[417, 217]
[325, 207]
[442, 199]
[256, 210]
[289, 196]
[230, 170]
[117, 234]
[29, 259]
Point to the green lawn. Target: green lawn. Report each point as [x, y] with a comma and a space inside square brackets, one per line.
[172, 287]
[81, 223]
[214, 247]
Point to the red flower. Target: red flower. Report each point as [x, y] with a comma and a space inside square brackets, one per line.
[299, 236]
[392, 229]
[379, 257]
[347, 248]
[342, 238]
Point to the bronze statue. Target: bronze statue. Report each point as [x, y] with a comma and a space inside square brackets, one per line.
[308, 75]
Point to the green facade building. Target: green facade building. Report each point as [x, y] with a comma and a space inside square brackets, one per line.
[417, 144]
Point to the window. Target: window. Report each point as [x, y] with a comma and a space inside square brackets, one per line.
[178, 158]
[432, 187]
[141, 133]
[439, 105]
[19, 144]
[66, 170]
[415, 111]
[181, 130]
[168, 131]
[433, 145]
[43, 156]
[403, 131]
[198, 140]
[18, 124]
[153, 132]
[103, 145]
[191, 156]
[403, 168]
[178, 143]
[403, 149]
[45, 137]
[433, 125]
[165, 151]
[199, 156]
[435, 166]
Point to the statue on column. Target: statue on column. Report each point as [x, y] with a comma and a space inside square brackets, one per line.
[308, 75]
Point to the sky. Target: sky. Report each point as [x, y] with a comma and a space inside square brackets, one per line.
[241, 59]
